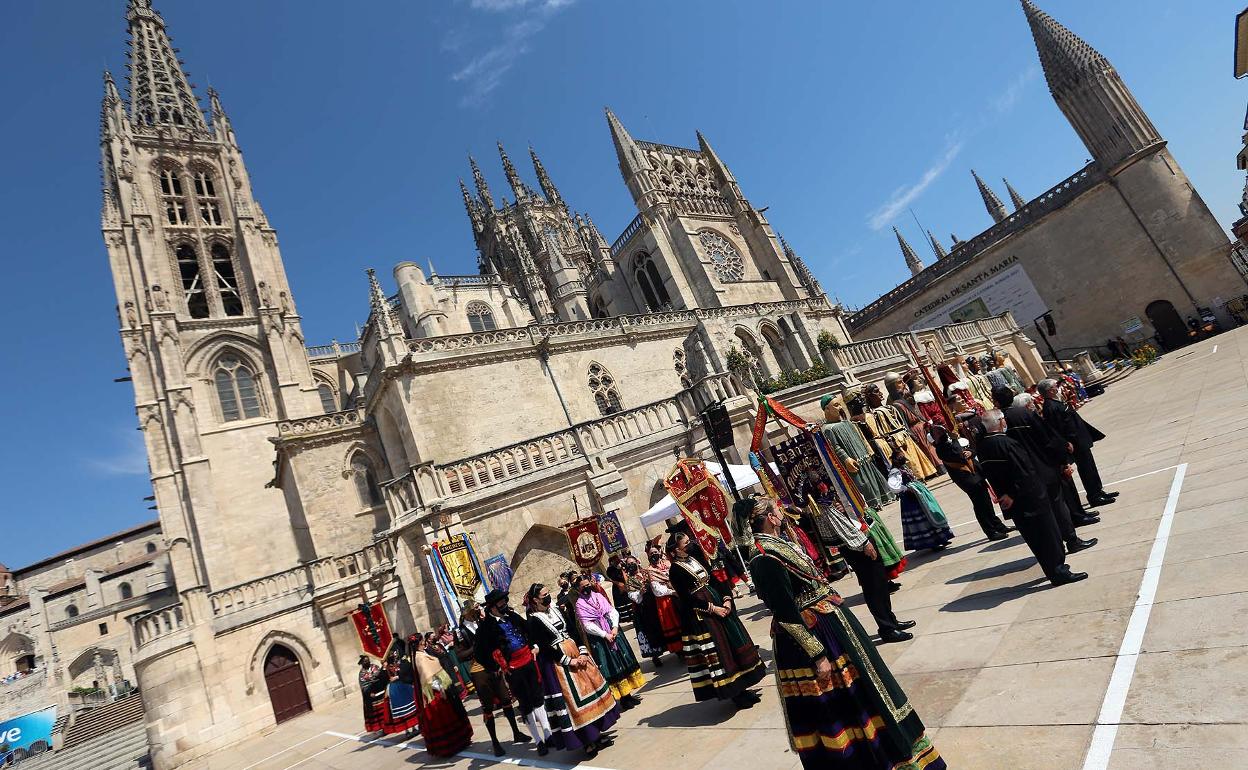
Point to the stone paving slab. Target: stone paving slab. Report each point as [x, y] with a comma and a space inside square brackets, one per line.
[1005, 671]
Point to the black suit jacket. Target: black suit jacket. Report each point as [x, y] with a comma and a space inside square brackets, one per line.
[1012, 471]
[1068, 424]
[1047, 447]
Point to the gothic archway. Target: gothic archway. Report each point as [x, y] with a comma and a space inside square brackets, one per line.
[541, 555]
[284, 678]
[1167, 322]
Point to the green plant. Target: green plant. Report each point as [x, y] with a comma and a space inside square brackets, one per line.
[827, 341]
[85, 691]
[737, 360]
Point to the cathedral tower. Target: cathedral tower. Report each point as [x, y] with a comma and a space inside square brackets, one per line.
[1090, 93]
[208, 322]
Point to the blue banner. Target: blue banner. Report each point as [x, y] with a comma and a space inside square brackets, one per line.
[26, 736]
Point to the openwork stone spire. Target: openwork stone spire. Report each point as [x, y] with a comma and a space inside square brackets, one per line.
[474, 213]
[483, 189]
[936, 246]
[912, 258]
[991, 202]
[1015, 198]
[160, 94]
[518, 186]
[385, 320]
[1065, 57]
[543, 179]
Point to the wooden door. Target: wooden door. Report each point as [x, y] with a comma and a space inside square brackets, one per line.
[1171, 331]
[284, 677]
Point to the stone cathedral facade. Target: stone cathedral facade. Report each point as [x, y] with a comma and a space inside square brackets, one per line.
[294, 482]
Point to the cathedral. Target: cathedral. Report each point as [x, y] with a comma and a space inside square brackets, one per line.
[295, 483]
[1124, 246]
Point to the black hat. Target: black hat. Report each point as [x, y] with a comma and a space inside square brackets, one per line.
[494, 597]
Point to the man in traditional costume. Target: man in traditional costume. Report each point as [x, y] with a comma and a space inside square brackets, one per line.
[843, 709]
[1021, 488]
[723, 661]
[1079, 437]
[965, 473]
[846, 441]
[502, 644]
[578, 698]
[892, 432]
[490, 686]
[611, 650]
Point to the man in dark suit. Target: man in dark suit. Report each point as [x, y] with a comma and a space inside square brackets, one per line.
[966, 474]
[1052, 461]
[1079, 437]
[1016, 478]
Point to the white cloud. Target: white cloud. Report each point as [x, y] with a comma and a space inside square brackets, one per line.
[129, 459]
[485, 73]
[1006, 100]
[904, 196]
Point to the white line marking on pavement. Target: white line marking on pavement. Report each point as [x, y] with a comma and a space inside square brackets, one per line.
[1129, 653]
[317, 754]
[468, 754]
[1215, 348]
[283, 751]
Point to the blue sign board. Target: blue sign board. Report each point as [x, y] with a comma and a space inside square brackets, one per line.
[26, 736]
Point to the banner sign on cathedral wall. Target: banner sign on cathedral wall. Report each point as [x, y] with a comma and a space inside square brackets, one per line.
[611, 533]
[1002, 286]
[460, 566]
[583, 538]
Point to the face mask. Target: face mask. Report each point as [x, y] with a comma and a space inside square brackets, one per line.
[546, 601]
[587, 590]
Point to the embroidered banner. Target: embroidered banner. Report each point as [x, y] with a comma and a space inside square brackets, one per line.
[458, 561]
[584, 541]
[702, 503]
[611, 533]
[498, 572]
[373, 630]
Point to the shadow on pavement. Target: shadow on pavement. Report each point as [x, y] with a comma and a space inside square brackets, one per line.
[692, 715]
[986, 600]
[995, 570]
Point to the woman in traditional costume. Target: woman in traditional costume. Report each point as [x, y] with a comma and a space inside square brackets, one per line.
[401, 713]
[645, 621]
[666, 604]
[578, 699]
[843, 709]
[723, 661]
[373, 688]
[610, 647]
[923, 522]
[443, 720]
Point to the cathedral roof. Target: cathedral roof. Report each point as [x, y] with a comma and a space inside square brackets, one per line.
[1065, 57]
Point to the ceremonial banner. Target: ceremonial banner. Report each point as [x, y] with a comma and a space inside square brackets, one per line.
[498, 572]
[460, 567]
[373, 630]
[702, 503]
[809, 470]
[611, 533]
[584, 542]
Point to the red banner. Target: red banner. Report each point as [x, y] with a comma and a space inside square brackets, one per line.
[584, 541]
[702, 503]
[375, 638]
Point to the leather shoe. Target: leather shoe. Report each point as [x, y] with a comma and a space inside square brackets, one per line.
[1075, 545]
[998, 536]
[905, 625]
[1066, 577]
[1104, 500]
[1083, 521]
[893, 586]
[1110, 494]
[887, 637]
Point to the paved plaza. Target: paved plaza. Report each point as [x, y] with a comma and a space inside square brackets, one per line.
[1143, 665]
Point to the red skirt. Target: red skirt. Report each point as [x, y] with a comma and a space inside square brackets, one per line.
[374, 713]
[669, 621]
[445, 727]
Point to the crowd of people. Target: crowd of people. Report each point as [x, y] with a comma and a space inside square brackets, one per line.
[561, 663]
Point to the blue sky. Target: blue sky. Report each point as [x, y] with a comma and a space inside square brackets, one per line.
[356, 119]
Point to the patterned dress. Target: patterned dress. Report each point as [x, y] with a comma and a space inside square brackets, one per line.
[723, 661]
[373, 689]
[578, 703]
[861, 719]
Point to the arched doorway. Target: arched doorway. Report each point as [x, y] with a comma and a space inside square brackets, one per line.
[1171, 332]
[284, 677]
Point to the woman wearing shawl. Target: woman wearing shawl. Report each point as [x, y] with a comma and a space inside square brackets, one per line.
[373, 688]
[578, 700]
[443, 721]
[923, 523]
[610, 648]
[723, 661]
[666, 618]
[401, 715]
[842, 707]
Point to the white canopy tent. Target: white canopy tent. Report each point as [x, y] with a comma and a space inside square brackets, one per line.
[742, 475]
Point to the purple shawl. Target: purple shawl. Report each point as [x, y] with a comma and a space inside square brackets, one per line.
[594, 609]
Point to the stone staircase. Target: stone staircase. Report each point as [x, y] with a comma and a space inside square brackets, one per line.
[110, 737]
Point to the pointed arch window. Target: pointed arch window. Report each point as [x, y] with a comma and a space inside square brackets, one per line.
[236, 389]
[206, 197]
[365, 481]
[174, 197]
[725, 259]
[329, 403]
[480, 317]
[71, 611]
[227, 283]
[602, 385]
[192, 282]
[125, 591]
[650, 280]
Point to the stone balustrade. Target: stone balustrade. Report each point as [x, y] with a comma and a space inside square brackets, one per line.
[259, 591]
[332, 570]
[334, 350]
[320, 423]
[689, 203]
[509, 462]
[158, 624]
[627, 235]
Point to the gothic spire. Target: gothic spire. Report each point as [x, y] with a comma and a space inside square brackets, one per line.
[513, 178]
[543, 179]
[160, 94]
[631, 159]
[112, 111]
[221, 127]
[912, 258]
[953, 238]
[483, 189]
[1064, 56]
[991, 202]
[1015, 198]
[474, 213]
[936, 246]
[804, 276]
[380, 307]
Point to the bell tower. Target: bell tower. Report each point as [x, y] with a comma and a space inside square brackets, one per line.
[208, 322]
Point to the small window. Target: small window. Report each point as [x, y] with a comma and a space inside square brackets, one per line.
[602, 385]
[328, 403]
[206, 196]
[150, 548]
[174, 198]
[236, 389]
[126, 591]
[646, 273]
[71, 611]
[103, 629]
[480, 317]
[365, 481]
